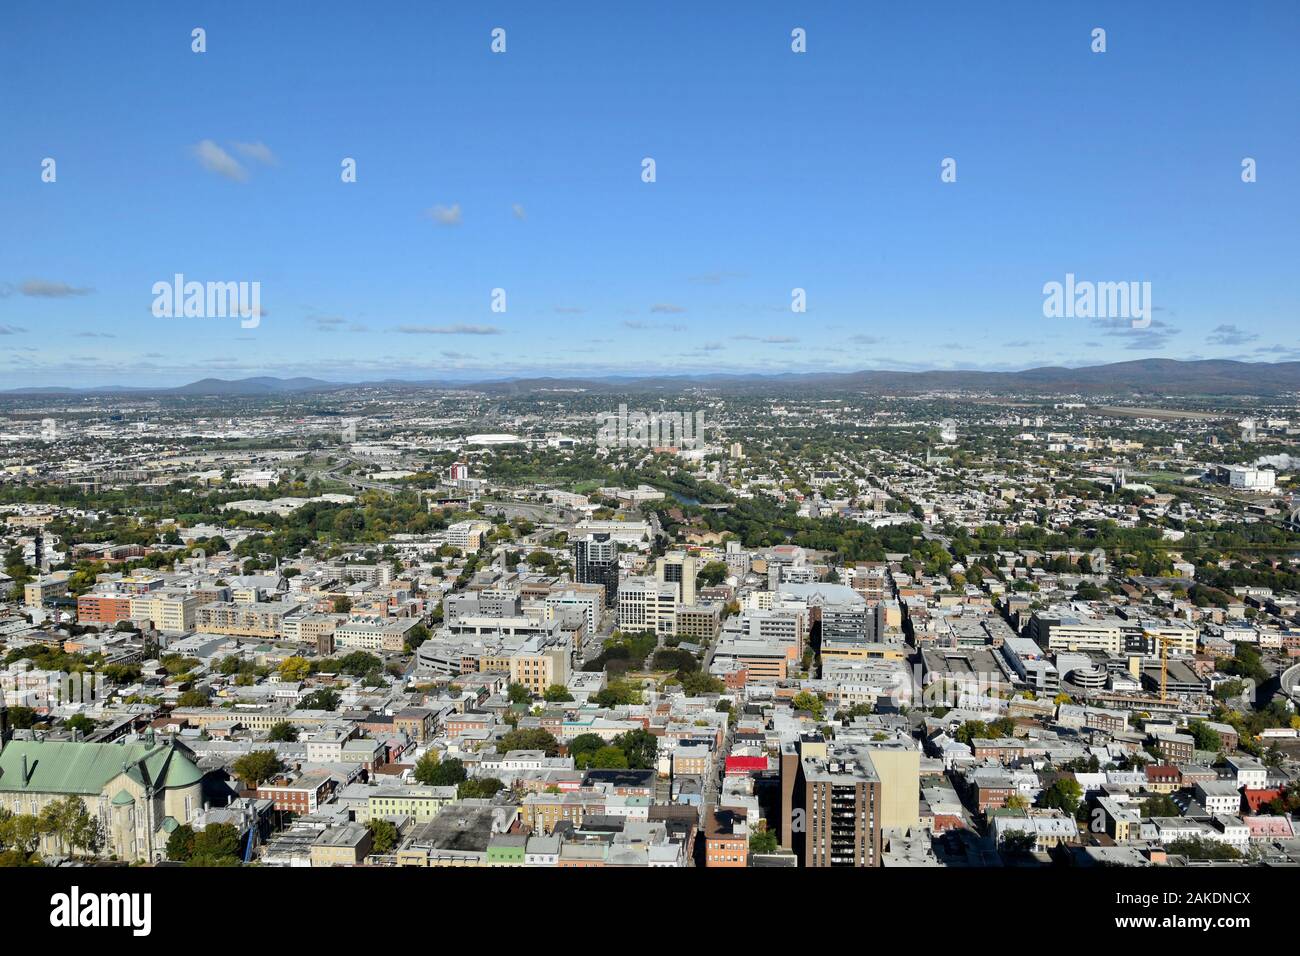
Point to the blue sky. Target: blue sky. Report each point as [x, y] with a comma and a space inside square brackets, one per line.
[522, 171]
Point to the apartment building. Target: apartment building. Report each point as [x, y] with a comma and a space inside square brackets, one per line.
[468, 535]
[539, 663]
[842, 805]
[647, 604]
[174, 611]
[699, 623]
[245, 620]
[375, 634]
[726, 838]
[95, 608]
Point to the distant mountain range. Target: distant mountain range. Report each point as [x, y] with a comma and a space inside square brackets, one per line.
[1151, 377]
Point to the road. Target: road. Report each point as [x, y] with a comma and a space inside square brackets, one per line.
[1291, 683]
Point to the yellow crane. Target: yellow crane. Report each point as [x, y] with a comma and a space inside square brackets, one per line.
[1164, 665]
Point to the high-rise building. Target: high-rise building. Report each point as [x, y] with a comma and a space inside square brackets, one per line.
[843, 802]
[832, 812]
[679, 568]
[595, 561]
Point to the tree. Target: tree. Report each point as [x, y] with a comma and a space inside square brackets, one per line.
[384, 835]
[534, 739]
[283, 732]
[1064, 794]
[432, 772]
[21, 832]
[359, 664]
[180, 844]
[217, 844]
[342, 604]
[806, 700]
[583, 747]
[1161, 805]
[416, 636]
[193, 698]
[609, 758]
[618, 693]
[557, 694]
[478, 788]
[257, 767]
[1206, 737]
[80, 723]
[971, 730]
[71, 824]
[518, 694]
[22, 718]
[323, 699]
[698, 683]
[762, 840]
[1195, 848]
[714, 572]
[294, 669]
[1018, 841]
[640, 747]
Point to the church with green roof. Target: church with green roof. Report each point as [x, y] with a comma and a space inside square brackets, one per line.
[139, 790]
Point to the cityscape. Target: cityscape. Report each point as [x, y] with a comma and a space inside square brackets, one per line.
[510, 439]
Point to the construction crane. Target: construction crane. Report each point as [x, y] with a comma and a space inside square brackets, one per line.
[1164, 665]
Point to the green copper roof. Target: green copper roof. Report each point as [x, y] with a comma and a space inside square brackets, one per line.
[62, 766]
[123, 799]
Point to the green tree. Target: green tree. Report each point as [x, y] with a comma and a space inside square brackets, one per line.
[180, 844]
[384, 835]
[257, 767]
[529, 739]
[1206, 737]
[324, 699]
[433, 772]
[71, 824]
[762, 840]
[80, 723]
[557, 694]
[217, 844]
[608, 758]
[478, 788]
[640, 747]
[21, 832]
[1064, 794]
[806, 700]
[282, 732]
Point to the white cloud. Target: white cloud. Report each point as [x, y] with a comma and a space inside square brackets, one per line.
[458, 329]
[258, 152]
[445, 215]
[44, 289]
[216, 160]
